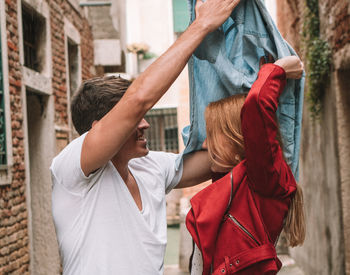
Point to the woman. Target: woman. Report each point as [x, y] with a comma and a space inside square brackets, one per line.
[236, 221]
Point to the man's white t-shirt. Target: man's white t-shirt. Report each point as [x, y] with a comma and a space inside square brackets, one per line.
[99, 228]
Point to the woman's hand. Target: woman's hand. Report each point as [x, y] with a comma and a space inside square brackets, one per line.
[292, 65]
[211, 14]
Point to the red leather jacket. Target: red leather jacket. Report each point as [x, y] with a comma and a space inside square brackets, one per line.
[242, 240]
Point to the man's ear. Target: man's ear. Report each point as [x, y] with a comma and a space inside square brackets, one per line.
[94, 122]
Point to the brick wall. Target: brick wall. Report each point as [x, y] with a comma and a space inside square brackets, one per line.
[59, 10]
[14, 236]
[335, 22]
[288, 13]
[14, 240]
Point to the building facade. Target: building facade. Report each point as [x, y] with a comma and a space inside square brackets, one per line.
[325, 146]
[46, 51]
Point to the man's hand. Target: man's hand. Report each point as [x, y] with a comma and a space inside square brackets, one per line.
[213, 13]
[292, 65]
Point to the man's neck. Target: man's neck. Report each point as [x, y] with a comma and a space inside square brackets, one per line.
[121, 164]
[122, 167]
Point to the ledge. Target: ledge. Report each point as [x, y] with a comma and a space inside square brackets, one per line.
[59, 128]
[37, 81]
[5, 175]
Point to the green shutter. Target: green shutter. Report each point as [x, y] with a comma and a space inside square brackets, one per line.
[3, 158]
[181, 15]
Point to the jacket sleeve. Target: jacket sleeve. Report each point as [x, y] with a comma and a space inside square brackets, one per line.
[266, 168]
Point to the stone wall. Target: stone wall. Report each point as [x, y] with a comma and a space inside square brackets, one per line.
[325, 150]
[16, 243]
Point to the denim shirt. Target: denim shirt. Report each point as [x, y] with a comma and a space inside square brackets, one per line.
[227, 63]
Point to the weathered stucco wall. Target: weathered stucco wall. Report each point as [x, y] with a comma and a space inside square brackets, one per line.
[325, 149]
[342, 77]
[323, 250]
[101, 23]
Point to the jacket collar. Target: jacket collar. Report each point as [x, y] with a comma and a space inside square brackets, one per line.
[208, 208]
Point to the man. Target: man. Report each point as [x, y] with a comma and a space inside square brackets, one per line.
[108, 190]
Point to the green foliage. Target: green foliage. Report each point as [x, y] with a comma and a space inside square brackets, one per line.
[318, 58]
[318, 66]
[149, 55]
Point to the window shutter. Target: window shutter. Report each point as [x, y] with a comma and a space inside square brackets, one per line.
[181, 15]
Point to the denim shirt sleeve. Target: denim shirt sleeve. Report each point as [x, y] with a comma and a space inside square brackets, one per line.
[227, 63]
[266, 168]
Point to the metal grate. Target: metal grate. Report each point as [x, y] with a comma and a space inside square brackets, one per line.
[3, 157]
[163, 133]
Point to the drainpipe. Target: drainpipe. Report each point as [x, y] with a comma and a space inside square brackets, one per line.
[94, 4]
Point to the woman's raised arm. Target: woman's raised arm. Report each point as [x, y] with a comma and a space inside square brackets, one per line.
[264, 156]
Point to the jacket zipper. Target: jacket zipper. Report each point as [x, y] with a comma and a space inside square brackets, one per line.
[232, 218]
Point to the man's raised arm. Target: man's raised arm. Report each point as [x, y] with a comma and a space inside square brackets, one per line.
[108, 135]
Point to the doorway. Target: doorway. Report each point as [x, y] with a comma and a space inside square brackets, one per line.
[41, 147]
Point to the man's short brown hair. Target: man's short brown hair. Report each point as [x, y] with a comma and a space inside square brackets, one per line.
[94, 99]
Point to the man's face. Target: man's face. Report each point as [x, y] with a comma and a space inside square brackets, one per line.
[136, 145]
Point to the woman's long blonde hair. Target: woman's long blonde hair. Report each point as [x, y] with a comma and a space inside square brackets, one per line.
[223, 121]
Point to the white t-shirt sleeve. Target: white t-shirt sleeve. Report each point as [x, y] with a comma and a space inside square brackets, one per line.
[66, 169]
[167, 164]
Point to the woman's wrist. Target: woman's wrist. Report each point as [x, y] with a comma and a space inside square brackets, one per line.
[292, 66]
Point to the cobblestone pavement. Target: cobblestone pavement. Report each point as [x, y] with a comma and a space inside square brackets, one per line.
[174, 270]
[289, 268]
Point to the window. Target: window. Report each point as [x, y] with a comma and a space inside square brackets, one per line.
[73, 63]
[105, 70]
[110, 69]
[33, 39]
[73, 75]
[163, 133]
[181, 16]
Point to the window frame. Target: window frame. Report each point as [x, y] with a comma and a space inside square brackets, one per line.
[6, 171]
[31, 49]
[71, 36]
